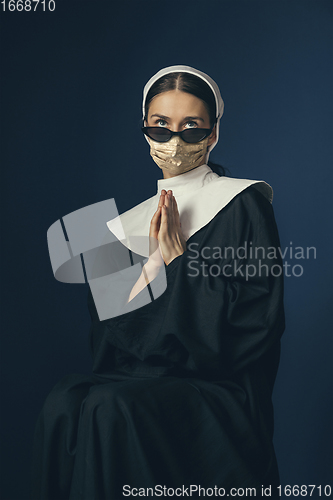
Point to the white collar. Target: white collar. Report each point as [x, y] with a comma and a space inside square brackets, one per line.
[132, 227]
[193, 179]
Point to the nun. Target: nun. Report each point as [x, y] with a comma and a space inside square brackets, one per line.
[179, 402]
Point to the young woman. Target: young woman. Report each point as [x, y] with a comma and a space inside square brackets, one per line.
[180, 395]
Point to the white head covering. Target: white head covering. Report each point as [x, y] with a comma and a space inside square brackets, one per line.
[188, 69]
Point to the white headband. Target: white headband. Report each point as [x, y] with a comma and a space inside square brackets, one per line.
[188, 69]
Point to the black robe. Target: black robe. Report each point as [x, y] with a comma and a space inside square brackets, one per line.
[181, 388]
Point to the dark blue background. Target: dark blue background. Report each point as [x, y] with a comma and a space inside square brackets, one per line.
[71, 96]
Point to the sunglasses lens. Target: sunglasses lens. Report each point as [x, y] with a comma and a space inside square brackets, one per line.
[194, 134]
[191, 135]
[158, 134]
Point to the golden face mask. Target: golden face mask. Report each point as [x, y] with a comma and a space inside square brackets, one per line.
[178, 156]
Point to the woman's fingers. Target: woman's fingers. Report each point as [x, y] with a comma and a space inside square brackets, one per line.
[173, 218]
[153, 233]
[164, 219]
[175, 204]
[176, 212]
[161, 201]
[170, 237]
[170, 205]
[162, 198]
[172, 210]
[164, 213]
[170, 214]
[168, 199]
[155, 223]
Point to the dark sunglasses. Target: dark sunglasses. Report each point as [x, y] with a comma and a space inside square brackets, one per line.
[191, 135]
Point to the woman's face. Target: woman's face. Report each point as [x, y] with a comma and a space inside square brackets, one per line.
[178, 110]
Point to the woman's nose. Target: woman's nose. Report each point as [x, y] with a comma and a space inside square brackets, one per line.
[177, 128]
